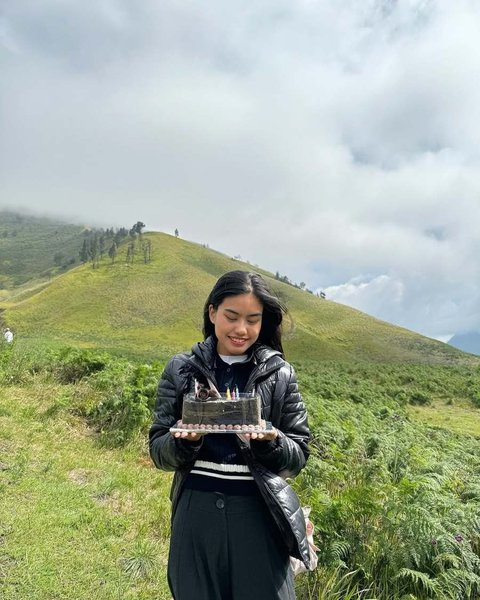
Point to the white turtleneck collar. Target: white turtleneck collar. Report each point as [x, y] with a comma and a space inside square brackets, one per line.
[237, 358]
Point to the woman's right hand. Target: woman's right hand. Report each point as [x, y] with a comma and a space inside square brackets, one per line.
[190, 436]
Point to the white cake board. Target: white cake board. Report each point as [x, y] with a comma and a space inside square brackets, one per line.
[243, 429]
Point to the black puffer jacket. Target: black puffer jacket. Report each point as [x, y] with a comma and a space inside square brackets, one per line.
[270, 461]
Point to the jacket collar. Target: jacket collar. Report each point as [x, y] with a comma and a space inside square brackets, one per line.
[206, 351]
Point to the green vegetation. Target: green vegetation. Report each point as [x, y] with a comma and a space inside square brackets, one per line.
[76, 521]
[448, 415]
[34, 247]
[396, 503]
[394, 474]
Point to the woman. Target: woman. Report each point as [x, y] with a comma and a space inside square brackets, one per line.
[235, 520]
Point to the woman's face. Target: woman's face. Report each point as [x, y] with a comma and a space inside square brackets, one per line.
[237, 321]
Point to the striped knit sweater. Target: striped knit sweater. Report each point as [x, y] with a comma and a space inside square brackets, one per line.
[220, 466]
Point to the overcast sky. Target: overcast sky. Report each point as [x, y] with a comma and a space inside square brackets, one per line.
[334, 141]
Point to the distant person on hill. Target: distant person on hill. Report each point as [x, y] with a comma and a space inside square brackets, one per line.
[8, 335]
[235, 520]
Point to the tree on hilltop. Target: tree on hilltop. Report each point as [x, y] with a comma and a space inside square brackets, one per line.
[93, 250]
[84, 252]
[101, 245]
[130, 252]
[120, 235]
[147, 251]
[112, 252]
[137, 228]
[98, 242]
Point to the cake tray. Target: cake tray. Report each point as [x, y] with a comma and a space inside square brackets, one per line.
[240, 429]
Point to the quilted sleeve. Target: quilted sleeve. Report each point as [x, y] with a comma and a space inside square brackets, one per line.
[169, 453]
[288, 453]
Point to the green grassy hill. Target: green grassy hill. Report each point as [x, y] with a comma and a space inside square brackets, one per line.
[395, 502]
[153, 309]
[393, 477]
[28, 246]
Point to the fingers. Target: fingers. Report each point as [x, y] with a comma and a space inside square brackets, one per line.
[266, 437]
[193, 437]
[187, 435]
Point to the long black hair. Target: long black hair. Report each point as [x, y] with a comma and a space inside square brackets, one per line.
[234, 283]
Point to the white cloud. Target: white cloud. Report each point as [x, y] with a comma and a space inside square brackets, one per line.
[435, 313]
[322, 139]
[374, 294]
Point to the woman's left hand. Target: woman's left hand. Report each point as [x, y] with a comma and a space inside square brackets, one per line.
[266, 437]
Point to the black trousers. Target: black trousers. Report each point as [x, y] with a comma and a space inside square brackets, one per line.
[227, 548]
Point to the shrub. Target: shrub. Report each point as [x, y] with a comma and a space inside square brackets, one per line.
[70, 365]
[126, 400]
[419, 398]
[17, 365]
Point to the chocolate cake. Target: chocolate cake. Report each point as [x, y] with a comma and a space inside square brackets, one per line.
[244, 410]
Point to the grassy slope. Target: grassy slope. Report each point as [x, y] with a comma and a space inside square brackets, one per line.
[153, 309]
[28, 245]
[88, 522]
[450, 394]
[460, 417]
[87, 518]
[91, 521]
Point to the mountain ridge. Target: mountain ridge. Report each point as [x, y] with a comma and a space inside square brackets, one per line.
[155, 308]
[33, 246]
[467, 342]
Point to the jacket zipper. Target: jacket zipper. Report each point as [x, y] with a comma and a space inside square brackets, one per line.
[207, 373]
